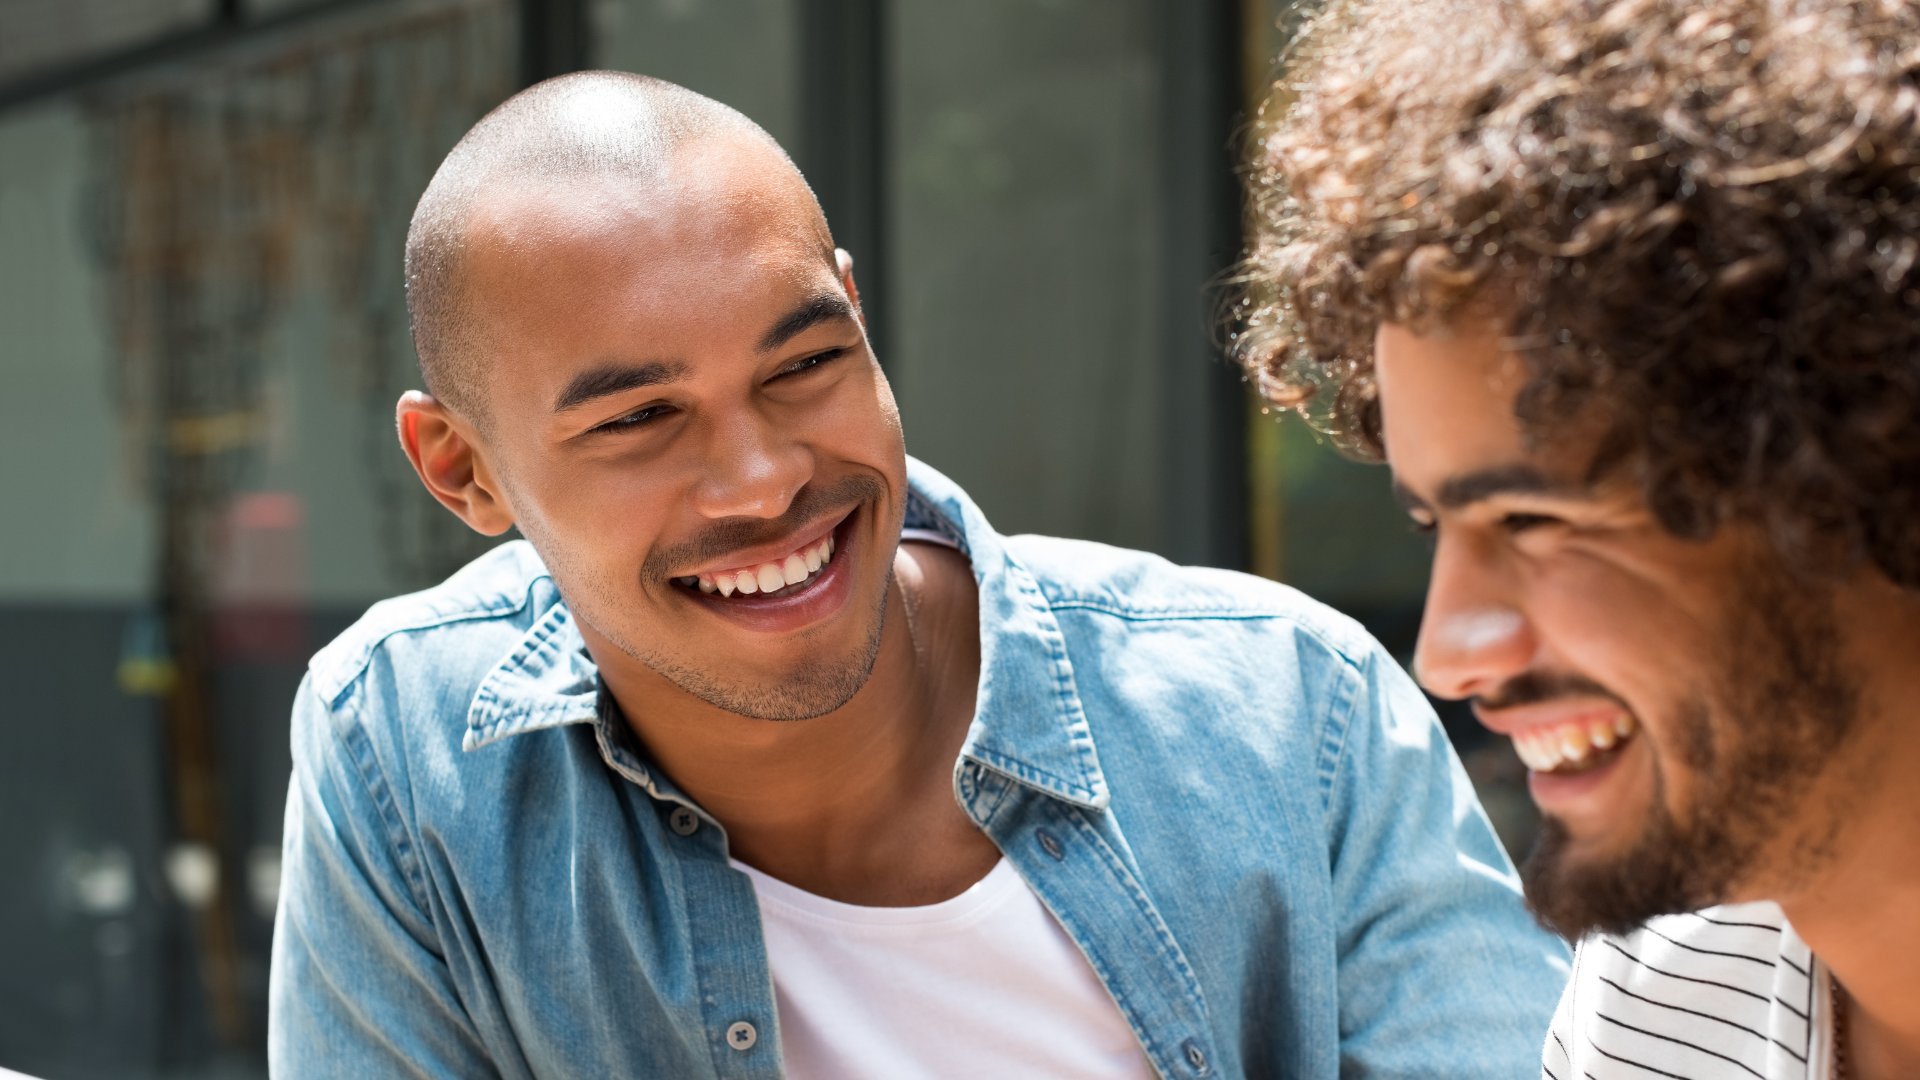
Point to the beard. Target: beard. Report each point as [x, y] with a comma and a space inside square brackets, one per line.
[1784, 703]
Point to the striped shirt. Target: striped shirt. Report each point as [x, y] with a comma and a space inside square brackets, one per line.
[1729, 993]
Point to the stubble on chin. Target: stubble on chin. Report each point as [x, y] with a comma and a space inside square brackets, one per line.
[1784, 702]
[812, 690]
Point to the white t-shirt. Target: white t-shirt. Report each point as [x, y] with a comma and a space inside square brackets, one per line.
[1729, 993]
[984, 984]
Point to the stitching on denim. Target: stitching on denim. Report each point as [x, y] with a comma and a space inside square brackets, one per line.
[713, 1037]
[922, 513]
[1156, 614]
[1339, 724]
[352, 735]
[362, 658]
[543, 636]
[1165, 945]
[1039, 779]
[1066, 693]
[542, 719]
[1002, 786]
[1225, 614]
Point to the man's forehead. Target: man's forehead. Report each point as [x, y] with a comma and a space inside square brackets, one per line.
[516, 212]
[590, 237]
[1445, 391]
[1450, 427]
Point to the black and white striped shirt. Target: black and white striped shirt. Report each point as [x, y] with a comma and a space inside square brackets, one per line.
[1730, 993]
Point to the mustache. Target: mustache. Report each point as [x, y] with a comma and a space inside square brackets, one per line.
[809, 505]
[1533, 687]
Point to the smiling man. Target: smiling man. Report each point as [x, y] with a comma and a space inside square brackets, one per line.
[1627, 293]
[764, 754]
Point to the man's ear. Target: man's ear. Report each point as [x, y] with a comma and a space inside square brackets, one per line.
[844, 261]
[442, 449]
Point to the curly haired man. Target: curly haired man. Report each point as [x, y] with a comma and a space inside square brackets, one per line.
[1627, 294]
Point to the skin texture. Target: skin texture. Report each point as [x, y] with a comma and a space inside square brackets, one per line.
[826, 750]
[1775, 748]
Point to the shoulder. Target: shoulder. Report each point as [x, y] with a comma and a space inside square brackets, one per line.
[1141, 588]
[1267, 672]
[438, 644]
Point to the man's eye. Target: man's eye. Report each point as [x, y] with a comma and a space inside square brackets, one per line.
[1425, 526]
[634, 419]
[1519, 523]
[814, 361]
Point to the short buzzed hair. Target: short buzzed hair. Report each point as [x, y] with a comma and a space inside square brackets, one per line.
[580, 125]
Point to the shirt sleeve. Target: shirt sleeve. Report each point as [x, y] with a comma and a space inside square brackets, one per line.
[1443, 972]
[359, 987]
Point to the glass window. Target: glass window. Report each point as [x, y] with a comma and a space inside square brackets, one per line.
[1025, 224]
[42, 34]
[200, 285]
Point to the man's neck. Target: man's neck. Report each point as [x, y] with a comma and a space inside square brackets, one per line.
[856, 804]
[1859, 910]
[1863, 921]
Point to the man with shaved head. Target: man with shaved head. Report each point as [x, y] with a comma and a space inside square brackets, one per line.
[764, 754]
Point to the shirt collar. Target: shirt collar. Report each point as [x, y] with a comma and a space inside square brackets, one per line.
[1028, 721]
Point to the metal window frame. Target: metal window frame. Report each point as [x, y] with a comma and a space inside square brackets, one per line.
[843, 146]
[230, 26]
[1206, 473]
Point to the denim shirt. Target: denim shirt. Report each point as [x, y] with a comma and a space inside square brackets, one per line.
[1234, 802]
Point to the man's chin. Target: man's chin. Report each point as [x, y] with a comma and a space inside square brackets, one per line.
[802, 694]
[1575, 891]
[803, 690]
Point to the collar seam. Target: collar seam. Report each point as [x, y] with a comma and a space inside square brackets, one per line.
[490, 716]
[1170, 614]
[341, 677]
[1038, 779]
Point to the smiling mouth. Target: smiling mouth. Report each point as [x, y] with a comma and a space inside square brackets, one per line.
[772, 579]
[1577, 746]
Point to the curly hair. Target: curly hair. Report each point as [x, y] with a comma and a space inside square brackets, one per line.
[1699, 218]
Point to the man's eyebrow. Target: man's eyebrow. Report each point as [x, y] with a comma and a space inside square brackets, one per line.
[615, 377]
[822, 308]
[1481, 484]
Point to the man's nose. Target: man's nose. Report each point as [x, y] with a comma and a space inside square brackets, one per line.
[1474, 637]
[753, 468]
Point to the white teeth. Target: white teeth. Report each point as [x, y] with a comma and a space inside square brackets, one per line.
[1536, 753]
[1600, 734]
[769, 576]
[1574, 745]
[1545, 751]
[794, 570]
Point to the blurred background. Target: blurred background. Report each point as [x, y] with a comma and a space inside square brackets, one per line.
[202, 333]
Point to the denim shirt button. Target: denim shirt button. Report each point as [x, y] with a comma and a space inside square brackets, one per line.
[742, 1036]
[684, 822]
[1196, 1057]
[1050, 844]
